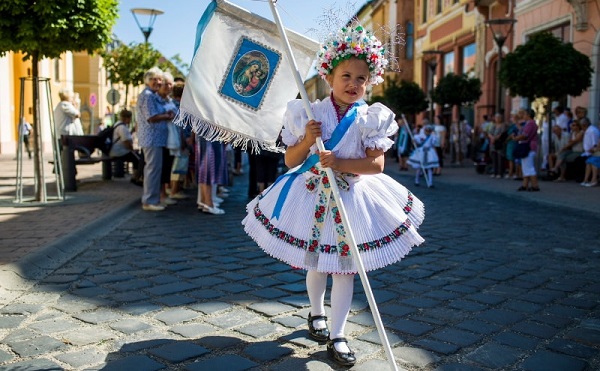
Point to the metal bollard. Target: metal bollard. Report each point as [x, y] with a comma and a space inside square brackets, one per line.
[68, 167]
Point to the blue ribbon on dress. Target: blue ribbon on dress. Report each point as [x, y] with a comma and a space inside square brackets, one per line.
[312, 160]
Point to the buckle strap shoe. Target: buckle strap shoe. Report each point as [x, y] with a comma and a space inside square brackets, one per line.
[319, 334]
[344, 359]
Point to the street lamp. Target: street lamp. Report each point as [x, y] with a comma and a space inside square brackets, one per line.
[433, 62]
[501, 28]
[151, 14]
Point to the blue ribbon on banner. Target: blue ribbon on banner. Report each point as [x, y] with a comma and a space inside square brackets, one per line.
[313, 159]
[203, 23]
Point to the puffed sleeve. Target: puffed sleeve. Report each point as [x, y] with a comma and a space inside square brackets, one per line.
[294, 122]
[377, 124]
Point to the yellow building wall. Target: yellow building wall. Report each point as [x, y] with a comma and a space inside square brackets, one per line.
[21, 69]
[380, 16]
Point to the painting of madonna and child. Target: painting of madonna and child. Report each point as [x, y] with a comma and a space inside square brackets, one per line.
[250, 73]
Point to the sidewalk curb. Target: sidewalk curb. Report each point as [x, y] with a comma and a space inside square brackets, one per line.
[39, 264]
[550, 196]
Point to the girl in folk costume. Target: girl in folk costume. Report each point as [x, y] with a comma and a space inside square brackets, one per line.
[424, 158]
[297, 219]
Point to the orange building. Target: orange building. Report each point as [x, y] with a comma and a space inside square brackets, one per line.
[447, 40]
[80, 72]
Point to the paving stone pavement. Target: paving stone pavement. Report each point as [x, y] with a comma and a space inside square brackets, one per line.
[501, 283]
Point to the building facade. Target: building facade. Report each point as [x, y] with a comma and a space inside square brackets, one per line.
[447, 40]
[574, 21]
[440, 36]
[80, 72]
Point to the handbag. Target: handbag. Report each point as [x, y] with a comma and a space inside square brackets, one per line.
[521, 150]
[180, 164]
[174, 137]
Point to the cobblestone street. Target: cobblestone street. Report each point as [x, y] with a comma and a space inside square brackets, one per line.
[501, 283]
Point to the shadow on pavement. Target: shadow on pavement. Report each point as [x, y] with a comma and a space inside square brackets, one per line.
[215, 353]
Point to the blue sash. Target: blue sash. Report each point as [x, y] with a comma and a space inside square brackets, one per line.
[313, 159]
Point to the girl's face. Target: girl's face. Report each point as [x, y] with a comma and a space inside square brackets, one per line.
[349, 80]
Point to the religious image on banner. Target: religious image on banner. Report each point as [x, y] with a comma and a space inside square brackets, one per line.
[250, 73]
[240, 79]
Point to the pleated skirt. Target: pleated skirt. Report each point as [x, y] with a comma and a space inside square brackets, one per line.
[384, 217]
[211, 162]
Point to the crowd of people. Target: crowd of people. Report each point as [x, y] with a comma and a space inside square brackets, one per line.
[172, 161]
[571, 152]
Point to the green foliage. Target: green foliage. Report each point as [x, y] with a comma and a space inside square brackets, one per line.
[180, 64]
[127, 64]
[407, 98]
[168, 66]
[457, 90]
[48, 28]
[546, 67]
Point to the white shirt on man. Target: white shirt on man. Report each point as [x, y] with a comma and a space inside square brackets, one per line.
[563, 121]
[121, 134]
[591, 137]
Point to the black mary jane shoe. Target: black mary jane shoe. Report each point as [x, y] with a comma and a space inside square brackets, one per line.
[322, 334]
[344, 359]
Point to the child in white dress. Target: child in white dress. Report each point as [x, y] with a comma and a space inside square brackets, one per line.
[424, 158]
[297, 220]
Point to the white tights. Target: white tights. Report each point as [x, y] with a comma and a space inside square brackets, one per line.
[428, 174]
[342, 290]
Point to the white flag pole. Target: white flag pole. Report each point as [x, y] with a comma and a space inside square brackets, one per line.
[336, 193]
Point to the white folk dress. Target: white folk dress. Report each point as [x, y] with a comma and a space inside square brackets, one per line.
[424, 156]
[308, 232]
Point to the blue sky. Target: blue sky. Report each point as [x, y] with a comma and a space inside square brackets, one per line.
[174, 31]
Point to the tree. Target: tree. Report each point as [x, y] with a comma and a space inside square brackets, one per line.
[180, 64]
[457, 90]
[46, 29]
[127, 64]
[407, 98]
[546, 67]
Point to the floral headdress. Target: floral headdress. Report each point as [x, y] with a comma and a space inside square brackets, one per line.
[352, 42]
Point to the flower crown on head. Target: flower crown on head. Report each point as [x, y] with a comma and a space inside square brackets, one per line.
[352, 42]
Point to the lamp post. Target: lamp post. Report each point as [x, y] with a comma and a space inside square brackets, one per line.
[151, 14]
[501, 28]
[433, 62]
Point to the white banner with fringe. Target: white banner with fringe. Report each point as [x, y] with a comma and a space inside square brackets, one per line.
[240, 80]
